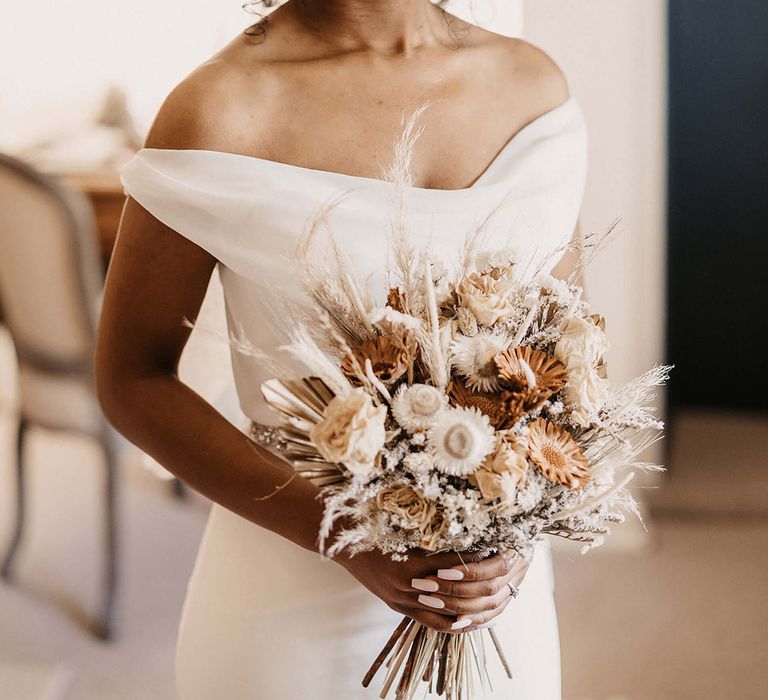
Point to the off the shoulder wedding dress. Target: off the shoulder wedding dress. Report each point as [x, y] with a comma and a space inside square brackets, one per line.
[264, 618]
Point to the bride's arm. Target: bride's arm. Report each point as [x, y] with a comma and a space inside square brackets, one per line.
[156, 279]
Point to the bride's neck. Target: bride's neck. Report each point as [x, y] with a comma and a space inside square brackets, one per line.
[383, 26]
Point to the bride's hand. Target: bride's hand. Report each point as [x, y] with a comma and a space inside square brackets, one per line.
[446, 592]
[478, 592]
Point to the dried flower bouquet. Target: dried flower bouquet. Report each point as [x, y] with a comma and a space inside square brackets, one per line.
[467, 412]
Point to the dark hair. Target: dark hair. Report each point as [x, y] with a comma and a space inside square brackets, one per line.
[259, 28]
[271, 3]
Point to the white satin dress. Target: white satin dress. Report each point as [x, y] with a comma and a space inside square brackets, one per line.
[264, 618]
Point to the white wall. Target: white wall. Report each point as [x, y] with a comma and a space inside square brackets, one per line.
[502, 16]
[58, 57]
[613, 54]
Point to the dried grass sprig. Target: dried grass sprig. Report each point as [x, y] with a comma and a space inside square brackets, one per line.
[406, 259]
[587, 247]
[304, 348]
[334, 287]
[437, 362]
[590, 503]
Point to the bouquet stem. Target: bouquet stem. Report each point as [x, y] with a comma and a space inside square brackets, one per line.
[449, 664]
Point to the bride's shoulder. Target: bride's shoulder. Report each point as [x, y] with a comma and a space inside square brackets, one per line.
[524, 68]
[212, 106]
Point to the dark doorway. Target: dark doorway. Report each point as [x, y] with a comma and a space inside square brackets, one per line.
[718, 204]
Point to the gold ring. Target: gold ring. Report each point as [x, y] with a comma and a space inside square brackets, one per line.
[513, 589]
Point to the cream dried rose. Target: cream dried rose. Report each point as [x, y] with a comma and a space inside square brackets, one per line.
[498, 487]
[500, 475]
[586, 392]
[582, 343]
[488, 297]
[433, 534]
[416, 512]
[351, 432]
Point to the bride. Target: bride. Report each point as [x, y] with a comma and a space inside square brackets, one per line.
[305, 105]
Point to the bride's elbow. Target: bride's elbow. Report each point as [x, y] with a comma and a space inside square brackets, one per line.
[123, 390]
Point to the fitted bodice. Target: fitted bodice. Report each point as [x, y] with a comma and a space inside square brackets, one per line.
[250, 213]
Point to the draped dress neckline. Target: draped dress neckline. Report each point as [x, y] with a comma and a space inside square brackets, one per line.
[559, 114]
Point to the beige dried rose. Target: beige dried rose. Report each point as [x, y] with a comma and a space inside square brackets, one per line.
[585, 393]
[582, 348]
[489, 297]
[497, 487]
[405, 502]
[582, 343]
[351, 432]
[500, 475]
[433, 535]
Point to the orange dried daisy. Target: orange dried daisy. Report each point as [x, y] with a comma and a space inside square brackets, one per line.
[532, 375]
[556, 455]
[487, 402]
[514, 405]
[389, 360]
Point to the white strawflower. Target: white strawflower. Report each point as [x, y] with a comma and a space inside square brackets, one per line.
[472, 357]
[415, 407]
[460, 440]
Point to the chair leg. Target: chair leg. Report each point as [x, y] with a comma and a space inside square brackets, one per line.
[18, 526]
[105, 626]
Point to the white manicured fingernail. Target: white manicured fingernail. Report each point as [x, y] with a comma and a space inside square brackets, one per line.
[431, 601]
[424, 584]
[461, 624]
[450, 574]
